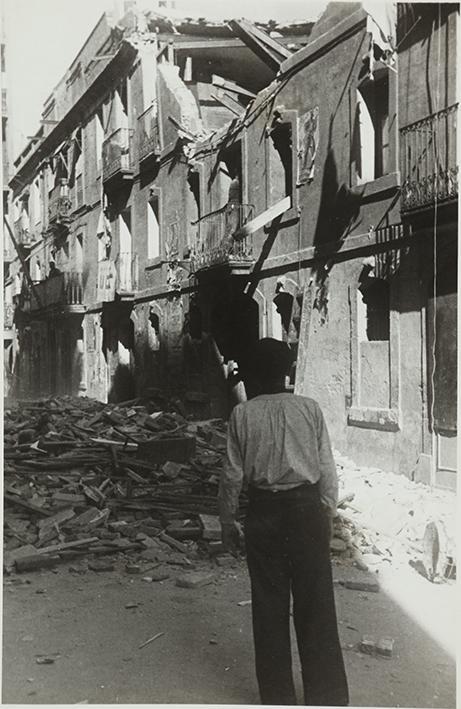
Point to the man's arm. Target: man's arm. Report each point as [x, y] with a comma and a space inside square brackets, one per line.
[231, 480]
[328, 482]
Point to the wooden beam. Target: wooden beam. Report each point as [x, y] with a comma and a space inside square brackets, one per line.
[230, 86]
[262, 219]
[270, 51]
[229, 103]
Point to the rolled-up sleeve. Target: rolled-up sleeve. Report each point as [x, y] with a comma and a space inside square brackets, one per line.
[231, 479]
[328, 482]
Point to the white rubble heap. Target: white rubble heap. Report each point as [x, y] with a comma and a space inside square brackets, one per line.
[389, 516]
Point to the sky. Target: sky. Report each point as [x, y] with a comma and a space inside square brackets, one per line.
[44, 36]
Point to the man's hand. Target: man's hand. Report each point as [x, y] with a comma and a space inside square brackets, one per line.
[230, 537]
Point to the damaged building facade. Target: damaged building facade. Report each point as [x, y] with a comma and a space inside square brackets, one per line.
[196, 187]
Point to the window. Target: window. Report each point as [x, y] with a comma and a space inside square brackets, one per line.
[373, 308]
[125, 251]
[36, 202]
[286, 320]
[154, 331]
[153, 227]
[79, 253]
[76, 168]
[282, 141]
[371, 129]
[99, 136]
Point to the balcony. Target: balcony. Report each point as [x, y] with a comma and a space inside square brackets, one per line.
[63, 292]
[149, 135]
[117, 152]
[216, 245]
[429, 167]
[59, 210]
[8, 316]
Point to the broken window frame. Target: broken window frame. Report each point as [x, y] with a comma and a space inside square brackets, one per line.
[289, 117]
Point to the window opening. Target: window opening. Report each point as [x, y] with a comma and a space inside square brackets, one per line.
[374, 307]
[282, 140]
[153, 227]
[372, 128]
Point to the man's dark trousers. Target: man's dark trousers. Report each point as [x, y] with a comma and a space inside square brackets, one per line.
[287, 542]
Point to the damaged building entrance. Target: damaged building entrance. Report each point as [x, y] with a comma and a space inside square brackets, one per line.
[230, 323]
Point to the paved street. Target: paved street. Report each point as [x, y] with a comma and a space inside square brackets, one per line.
[205, 654]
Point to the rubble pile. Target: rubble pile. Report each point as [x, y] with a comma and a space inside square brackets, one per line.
[86, 479]
[388, 518]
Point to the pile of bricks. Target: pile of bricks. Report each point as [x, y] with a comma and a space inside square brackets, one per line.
[86, 479]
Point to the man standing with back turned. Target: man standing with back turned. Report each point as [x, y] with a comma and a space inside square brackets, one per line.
[278, 445]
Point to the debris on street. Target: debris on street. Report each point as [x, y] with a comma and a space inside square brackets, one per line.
[390, 519]
[90, 480]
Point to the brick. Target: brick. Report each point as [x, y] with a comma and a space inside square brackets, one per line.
[215, 548]
[11, 557]
[133, 569]
[62, 516]
[367, 645]
[367, 586]
[100, 566]
[178, 530]
[211, 527]
[34, 562]
[226, 560]
[171, 470]
[160, 575]
[385, 646]
[69, 498]
[195, 579]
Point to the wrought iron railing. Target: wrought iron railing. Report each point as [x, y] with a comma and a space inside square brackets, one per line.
[117, 153]
[428, 155]
[148, 133]
[8, 315]
[59, 208]
[216, 243]
[62, 289]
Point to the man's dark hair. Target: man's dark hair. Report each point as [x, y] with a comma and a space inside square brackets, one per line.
[270, 360]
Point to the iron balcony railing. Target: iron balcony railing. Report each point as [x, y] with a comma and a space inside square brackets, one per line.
[216, 243]
[127, 265]
[117, 154]
[8, 315]
[429, 166]
[59, 208]
[63, 289]
[148, 134]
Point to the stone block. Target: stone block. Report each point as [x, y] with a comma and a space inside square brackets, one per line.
[367, 645]
[195, 579]
[385, 646]
[211, 527]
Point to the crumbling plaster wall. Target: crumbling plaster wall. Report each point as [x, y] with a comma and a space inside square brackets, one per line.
[329, 370]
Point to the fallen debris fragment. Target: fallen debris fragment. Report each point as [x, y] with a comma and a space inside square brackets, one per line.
[367, 586]
[195, 579]
[385, 646]
[151, 640]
